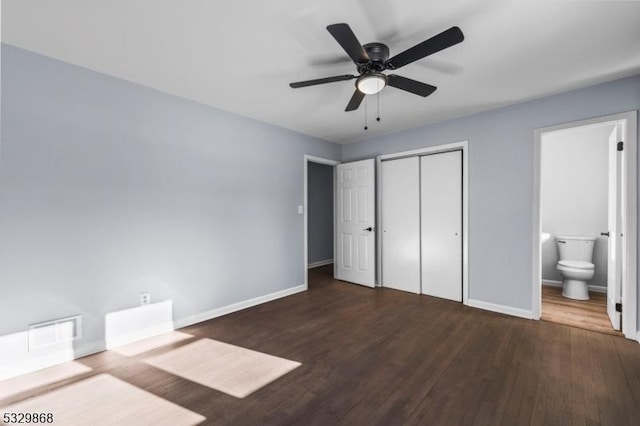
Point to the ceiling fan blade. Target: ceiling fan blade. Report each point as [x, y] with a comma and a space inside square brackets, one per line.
[355, 101]
[306, 83]
[347, 39]
[323, 60]
[445, 39]
[412, 86]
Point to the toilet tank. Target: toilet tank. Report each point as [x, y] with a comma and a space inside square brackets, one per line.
[575, 247]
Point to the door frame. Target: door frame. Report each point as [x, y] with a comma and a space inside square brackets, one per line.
[434, 149]
[306, 160]
[629, 277]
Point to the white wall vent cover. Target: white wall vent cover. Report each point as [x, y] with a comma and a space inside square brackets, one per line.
[52, 332]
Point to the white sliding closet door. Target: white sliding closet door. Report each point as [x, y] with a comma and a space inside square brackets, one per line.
[401, 224]
[441, 222]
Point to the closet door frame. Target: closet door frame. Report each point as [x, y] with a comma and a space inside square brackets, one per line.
[434, 149]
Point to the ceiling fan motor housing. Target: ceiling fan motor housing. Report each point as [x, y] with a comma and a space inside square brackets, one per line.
[378, 53]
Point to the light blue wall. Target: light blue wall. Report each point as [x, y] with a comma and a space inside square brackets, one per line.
[320, 212]
[501, 177]
[108, 189]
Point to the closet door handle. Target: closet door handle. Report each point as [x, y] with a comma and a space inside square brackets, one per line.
[370, 229]
[604, 234]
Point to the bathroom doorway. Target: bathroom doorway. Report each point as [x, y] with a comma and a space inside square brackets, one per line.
[585, 225]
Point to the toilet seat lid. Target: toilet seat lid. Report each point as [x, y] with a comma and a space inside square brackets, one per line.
[578, 264]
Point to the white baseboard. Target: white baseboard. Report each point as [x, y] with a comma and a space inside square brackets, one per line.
[29, 365]
[319, 263]
[89, 349]
[593, 288]
[30, 362]
[136, 335]
[218, 312]
[597, 288]
[503, 309]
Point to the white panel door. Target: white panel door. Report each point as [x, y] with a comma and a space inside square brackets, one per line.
[441, 224]
[355, 228]
[614, 272]
[401, 224]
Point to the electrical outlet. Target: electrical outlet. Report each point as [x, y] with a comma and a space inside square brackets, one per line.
[145, 298]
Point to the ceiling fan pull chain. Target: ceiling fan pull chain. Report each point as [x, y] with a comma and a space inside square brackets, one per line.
[378, 101]
[365, 113]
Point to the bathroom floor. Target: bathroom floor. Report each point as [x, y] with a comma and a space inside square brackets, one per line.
[588, 314]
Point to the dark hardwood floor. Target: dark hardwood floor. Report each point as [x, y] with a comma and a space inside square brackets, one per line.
[385, 357]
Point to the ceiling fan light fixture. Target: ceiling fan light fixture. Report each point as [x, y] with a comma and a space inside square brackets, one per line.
[370, 84]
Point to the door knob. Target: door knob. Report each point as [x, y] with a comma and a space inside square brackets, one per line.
[604, 234]
[369, 229]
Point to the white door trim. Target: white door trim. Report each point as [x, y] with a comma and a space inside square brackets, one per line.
[629, 278]
[455, 146]
[306, 160]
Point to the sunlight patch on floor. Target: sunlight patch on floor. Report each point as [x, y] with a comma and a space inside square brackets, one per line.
[155, 342]
[231, 369]
[43, 377]
[106, 400]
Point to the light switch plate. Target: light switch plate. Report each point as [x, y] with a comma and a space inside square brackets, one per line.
[300, 209]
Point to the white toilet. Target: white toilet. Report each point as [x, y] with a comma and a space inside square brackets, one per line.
[575, 265]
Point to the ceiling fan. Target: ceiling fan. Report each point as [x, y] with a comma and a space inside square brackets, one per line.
[373, 58]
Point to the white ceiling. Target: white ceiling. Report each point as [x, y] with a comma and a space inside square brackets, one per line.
[240, 55]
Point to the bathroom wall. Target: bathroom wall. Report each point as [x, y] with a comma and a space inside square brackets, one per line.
[574, 194]
[320, 212]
